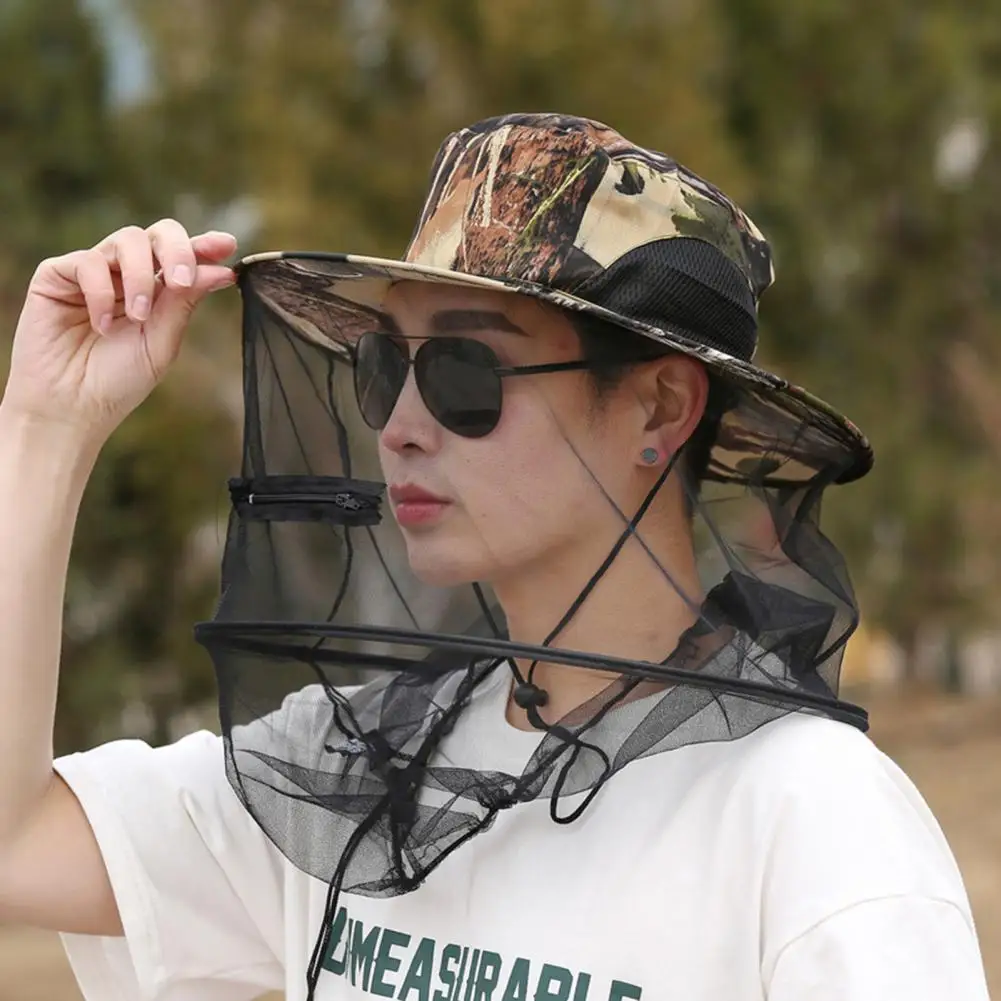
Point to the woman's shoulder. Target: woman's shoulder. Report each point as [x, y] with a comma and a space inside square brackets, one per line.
[801, 746]
[824, 768]
[840, 813]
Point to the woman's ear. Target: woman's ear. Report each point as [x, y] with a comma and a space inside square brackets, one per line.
[677, 388]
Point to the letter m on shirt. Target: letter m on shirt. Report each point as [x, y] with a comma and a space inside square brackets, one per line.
[363, 952]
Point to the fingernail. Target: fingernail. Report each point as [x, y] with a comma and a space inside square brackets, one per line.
[140, 307]
[104, 324]
[182, 275]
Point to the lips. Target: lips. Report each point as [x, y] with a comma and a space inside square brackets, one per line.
[408, 493]
[415, 506]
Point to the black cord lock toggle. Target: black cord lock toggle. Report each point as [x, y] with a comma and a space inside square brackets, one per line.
[529, 696]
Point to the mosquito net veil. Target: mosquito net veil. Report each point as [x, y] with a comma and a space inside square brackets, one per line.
[342, 677]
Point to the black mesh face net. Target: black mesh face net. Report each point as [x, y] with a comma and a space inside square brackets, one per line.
[341, 676]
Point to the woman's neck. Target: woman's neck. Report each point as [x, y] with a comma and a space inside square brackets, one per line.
[634, 612]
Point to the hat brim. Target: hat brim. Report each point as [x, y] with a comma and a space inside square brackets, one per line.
[334, 298]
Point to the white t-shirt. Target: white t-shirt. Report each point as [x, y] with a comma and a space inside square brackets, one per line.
[795, 864]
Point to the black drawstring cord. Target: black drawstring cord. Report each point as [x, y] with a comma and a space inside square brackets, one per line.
[333, 898]
[529, 697]
[485, 608]
[565, 772]
[527, 694]
[400, 801]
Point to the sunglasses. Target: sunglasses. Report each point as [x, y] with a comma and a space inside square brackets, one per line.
[459, 380]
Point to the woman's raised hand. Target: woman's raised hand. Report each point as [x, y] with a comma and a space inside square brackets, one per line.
[100, 327]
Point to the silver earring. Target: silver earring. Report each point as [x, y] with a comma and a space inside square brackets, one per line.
[650, 456]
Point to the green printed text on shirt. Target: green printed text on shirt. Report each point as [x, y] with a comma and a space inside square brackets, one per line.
[393, 964]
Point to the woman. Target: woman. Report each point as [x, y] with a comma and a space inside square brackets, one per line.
[603, 757]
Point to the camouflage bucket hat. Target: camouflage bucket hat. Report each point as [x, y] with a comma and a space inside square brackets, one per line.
[567, 211]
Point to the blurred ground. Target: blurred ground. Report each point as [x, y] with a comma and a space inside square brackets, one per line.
[951, 747]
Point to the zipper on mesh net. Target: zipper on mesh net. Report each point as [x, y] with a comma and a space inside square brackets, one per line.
[342, 499]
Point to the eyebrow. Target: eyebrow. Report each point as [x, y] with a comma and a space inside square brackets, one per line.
[449, 321]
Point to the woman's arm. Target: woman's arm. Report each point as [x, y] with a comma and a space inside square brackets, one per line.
[97, 332]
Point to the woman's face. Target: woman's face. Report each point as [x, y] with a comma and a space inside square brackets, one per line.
[531, 491]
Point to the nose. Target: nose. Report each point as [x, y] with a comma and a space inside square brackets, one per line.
[410, 426]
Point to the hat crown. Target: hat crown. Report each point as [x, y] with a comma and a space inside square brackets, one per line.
[557, 200]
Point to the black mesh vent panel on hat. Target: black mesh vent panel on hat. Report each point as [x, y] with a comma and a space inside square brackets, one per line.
[685, 285]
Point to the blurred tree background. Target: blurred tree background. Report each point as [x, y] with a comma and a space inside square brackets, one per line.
[861, 136]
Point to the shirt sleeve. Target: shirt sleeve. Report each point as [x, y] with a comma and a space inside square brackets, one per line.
[198, 885]
[893, 949]
[861, 895]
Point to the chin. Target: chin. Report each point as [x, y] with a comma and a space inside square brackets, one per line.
[441, 563]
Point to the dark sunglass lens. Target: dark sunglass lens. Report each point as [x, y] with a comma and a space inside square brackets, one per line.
[457, 380]
[380, 373]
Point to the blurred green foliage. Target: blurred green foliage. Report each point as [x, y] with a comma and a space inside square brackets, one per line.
[861, 136]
